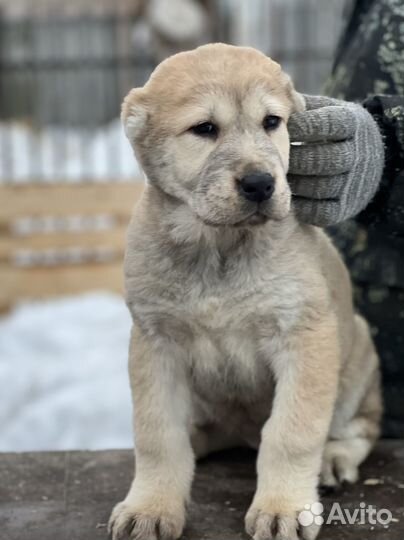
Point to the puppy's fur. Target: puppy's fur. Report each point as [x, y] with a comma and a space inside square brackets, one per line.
[244, 331]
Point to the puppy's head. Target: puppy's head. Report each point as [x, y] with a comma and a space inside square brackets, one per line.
[209, 128]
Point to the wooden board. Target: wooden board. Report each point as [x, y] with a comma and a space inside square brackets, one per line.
[37, 281]
[10, 245]
[29, 200]
[70, 495]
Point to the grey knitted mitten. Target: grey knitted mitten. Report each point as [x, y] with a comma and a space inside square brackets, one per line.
[336, 170]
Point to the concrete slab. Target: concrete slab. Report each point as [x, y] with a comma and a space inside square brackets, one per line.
[69, 495]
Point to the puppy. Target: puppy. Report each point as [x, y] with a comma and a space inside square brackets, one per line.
[243, 327]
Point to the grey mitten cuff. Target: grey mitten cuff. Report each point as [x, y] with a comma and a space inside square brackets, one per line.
[336, 160]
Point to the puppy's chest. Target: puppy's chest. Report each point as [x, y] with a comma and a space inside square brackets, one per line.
[263, 309]
[228, 364]
[235, 335]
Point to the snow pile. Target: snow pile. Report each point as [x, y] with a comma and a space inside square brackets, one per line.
[63, 375]
[67, 153]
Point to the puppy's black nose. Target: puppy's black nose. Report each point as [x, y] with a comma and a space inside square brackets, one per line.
[257, 187]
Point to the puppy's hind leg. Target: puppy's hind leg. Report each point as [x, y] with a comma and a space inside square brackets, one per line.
[356, 424]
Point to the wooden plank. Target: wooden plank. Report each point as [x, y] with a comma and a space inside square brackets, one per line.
[73, 494]
[110, 238]
[18, 283]
[34, 200]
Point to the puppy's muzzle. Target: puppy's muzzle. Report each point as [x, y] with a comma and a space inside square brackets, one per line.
[257, 187]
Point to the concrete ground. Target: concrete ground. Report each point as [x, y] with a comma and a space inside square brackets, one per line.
[69, 495]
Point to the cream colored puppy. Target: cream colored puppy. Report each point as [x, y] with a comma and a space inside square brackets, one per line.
[244, 331]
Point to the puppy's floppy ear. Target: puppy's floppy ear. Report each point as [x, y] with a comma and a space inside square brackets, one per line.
[134, 114]
[298, 102]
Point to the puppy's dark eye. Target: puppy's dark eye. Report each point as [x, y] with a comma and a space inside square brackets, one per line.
[205, 129]
[271, 122]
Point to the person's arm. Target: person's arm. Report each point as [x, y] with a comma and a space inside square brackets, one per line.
[336, 160]
[387, 207]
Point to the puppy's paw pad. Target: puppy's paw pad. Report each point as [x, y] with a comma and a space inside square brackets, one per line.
[261, 525]
[128, 522]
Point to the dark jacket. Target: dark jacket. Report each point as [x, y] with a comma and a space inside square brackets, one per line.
[369, 66]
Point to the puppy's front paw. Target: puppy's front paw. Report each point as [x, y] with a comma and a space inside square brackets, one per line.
[145, 522]
[264, 523]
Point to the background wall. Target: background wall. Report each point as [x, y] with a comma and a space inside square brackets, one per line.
[65, 67]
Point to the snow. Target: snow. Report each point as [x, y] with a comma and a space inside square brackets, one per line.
[65, 153]
[63, 375]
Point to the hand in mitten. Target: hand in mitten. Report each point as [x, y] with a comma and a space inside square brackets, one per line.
[335, 170]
